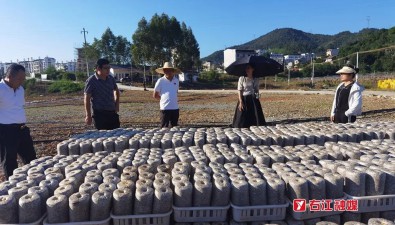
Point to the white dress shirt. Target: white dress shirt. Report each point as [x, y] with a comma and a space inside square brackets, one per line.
[12, 104]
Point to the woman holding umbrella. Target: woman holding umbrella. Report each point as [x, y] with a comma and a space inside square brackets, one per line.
[249, 110]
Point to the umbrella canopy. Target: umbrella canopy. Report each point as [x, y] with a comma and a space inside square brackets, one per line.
[262, 66]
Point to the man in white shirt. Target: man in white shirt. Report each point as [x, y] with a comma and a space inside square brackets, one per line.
[15, 136]
[166, 89]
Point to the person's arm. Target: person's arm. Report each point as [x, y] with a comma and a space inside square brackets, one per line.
[240, 93]
[156, 93]
[88, 111]
[333, 109]
[116, 98]
[241, 105]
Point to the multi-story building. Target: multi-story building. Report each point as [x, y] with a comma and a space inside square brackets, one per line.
[278, 57]
[28, 65]
[48, 62]
[291, 58]
[306, 57]
[37, 66]
[208, 65]
[231, 55]
[2, 71]
[71, 66]
[67, 66]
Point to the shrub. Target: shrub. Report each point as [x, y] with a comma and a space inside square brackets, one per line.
[211, 75]
[68, 76]
[81, 76]
[65, 87]
[29, 84]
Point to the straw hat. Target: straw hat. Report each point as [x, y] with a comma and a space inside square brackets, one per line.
[346, 69]
[168, 65]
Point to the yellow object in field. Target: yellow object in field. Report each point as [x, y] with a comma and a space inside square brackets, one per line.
[386, 84]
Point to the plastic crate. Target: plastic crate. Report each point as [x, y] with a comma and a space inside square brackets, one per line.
[259, 212]
[38, 222]
[201, 214]
[313, 214]
[102, 222]
[374, 203]
[148, 219]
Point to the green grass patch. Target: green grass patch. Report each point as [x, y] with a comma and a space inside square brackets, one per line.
[65, 87]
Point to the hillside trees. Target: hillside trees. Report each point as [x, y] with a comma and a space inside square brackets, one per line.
[372, 57]
[164, 39]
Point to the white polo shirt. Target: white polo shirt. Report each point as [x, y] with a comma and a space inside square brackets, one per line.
[12, 104]
[168, 91]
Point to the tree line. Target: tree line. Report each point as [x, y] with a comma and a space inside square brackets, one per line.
[161, 39]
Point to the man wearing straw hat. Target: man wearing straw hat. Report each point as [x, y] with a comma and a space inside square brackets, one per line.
[166, 90]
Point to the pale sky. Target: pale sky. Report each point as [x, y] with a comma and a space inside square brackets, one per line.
[39, 28]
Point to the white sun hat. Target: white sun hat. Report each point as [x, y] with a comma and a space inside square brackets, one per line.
[347, 70]
[168, 65]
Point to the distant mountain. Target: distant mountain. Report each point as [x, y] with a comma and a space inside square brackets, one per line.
[292, 41]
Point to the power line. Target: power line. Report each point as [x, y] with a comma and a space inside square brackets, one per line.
[362, 52]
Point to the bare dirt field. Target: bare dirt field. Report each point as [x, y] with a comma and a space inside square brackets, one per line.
[54, 118]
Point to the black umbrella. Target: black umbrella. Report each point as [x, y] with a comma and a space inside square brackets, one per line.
[262, 66]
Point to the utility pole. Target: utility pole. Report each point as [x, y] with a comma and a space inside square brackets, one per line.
[86, 55]
[357, 66]
[368, 19]
[312, 72]
[145, 88]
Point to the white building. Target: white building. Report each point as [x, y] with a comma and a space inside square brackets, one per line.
[2, 71]
[67, 66]
[306, 57]
[278, 57]
[291, 58]
[208, 65]
[37, 66]
[260, 51]
[48, 62]
[231, 55]
[188, 77]
[6, 66]
[28, 66]
[332, 52]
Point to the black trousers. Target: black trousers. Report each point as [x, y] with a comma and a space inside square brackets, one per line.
[15, 140]
[106, 120]
[169, 117]
[340, 117]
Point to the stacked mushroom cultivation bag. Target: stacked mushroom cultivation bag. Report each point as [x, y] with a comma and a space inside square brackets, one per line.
[282, 135]
[140, 172]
